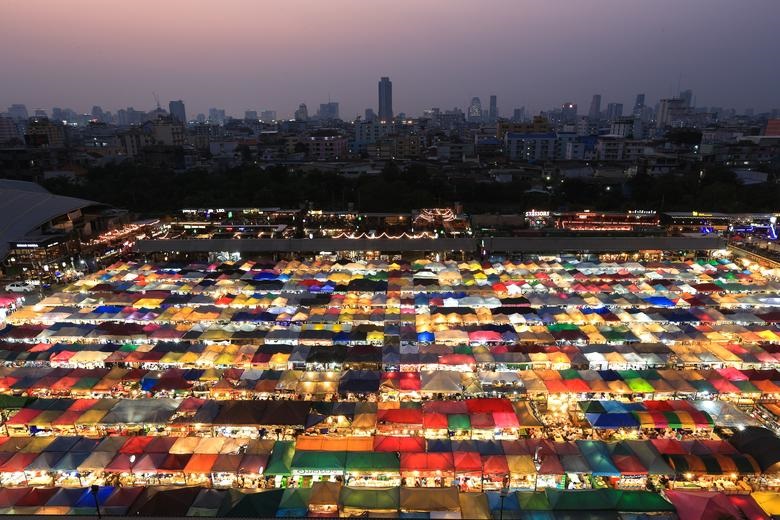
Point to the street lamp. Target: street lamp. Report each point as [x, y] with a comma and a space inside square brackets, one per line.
[538, 466]
[503, 493]
[94, 490]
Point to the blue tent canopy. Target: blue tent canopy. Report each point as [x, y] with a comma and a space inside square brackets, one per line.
[611, 421]
[597, 456]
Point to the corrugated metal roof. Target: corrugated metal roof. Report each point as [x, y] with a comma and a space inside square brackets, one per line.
[26, 206]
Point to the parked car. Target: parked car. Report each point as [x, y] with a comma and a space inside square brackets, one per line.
[20, 287]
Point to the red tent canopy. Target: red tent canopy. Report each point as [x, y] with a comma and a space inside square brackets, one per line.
[445, 407]
[489, 405]
[702, 505]
[506, 420]
[136, 445]
[669, 446]
[629, 465]
[495, 465]
[399, 444]
[434, 421]
[482, 421]
[427, 462]
[467, 462]
[18, 462]
[413, 416]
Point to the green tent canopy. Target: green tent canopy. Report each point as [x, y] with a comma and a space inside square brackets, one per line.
[370, 499]
[458, 421]
[280, 462]
[257, 505]
[372, 461]
[318, 461]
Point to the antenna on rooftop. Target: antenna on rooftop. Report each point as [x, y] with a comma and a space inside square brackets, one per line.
[157, 100]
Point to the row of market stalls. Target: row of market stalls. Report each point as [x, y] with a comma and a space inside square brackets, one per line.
[727, 384]
[408, 357]
[325, 500]
[486, 417]
[333, 500]
[538, 390]
[80, 309]
[501, 279]
[496, 333]
[750, 460]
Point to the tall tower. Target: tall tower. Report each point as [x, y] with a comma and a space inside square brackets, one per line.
[385, 99]
[595, 107]
[639, 104]
[493, 114]
[569, 112]
[474, 114]
[176, 109]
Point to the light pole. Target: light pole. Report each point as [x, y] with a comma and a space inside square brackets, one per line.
[538, 466]
[503, 493]
[94, 490]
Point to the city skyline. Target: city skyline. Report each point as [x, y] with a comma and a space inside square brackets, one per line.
[528, 55]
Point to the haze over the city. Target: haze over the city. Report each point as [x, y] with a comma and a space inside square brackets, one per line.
[244, 54]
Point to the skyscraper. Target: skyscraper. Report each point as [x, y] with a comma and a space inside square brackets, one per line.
[18, 112]
[329, 110]
[268, 115]
[569, 112]
[614, 110]
[595, 107]
[687, 97]
[493, 113]
[385, 99]
[640, 102]
[474, 113]
[669, 111]
[302, 114]
[369, 114]
[518, 115]
[97, 113]
[176, 109]
[217, 115]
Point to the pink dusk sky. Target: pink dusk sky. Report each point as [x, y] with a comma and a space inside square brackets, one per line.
[266, 54]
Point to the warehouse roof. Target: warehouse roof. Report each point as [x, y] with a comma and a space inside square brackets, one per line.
[26, 206]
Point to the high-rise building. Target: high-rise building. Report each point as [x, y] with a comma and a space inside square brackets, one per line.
[518, 115]
[385, 99]
[268, 115]
[43, 133]
[217, 115]
[474, 113]
[595, 107]
[614, 111]
[200, 118]
[8, 130]
[250, 115]
[669, 110]
[639, 104]
[18, 112]
[369, 114]
[687, 97]
[302, 114]
[97, 113]
[176, 109]
[329, 110]
[569, 112]
[493, 112]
